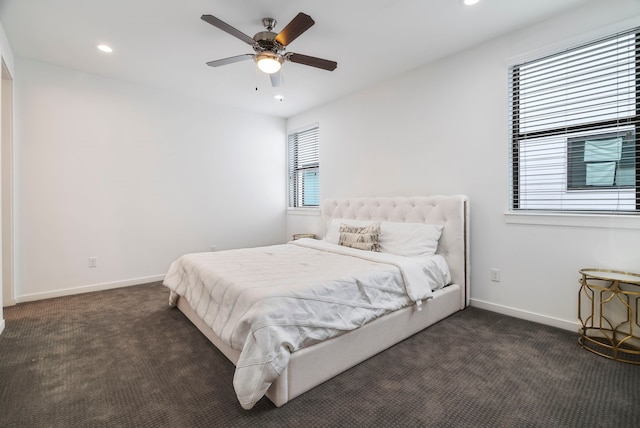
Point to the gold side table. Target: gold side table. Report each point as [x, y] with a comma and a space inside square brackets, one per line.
[608, 314]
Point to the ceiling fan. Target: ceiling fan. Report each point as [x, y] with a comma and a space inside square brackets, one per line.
[270, 48]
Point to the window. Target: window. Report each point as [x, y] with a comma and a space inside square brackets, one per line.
[573, 129]
[304, 168]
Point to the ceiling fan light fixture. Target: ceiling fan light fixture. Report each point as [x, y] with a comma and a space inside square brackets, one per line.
[269, 62]
[469, 2]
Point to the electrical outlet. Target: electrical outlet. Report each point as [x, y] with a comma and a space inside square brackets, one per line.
[495, 274]
[93, 262]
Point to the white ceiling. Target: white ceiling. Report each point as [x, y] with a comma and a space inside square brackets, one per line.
[165, 44]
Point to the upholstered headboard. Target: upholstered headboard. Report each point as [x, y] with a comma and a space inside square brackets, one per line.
[452, 212]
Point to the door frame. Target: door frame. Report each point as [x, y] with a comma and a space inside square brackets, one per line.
[6, 187]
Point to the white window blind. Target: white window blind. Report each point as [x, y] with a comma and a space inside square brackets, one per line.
[304, 168]
[573, 126]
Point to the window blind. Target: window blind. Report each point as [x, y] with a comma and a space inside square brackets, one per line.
[304, 168]
[573, 121]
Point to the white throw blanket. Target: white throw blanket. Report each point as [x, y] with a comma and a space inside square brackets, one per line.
[270, 301]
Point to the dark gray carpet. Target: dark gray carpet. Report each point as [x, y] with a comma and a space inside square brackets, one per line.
[123, 358]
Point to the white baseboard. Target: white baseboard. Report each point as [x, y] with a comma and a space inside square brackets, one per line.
[87, 288]
[526, 315]
[1, 326]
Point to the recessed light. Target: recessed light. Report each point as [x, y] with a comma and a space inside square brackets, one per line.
[469, 2]
[104, 48]
[279, 97]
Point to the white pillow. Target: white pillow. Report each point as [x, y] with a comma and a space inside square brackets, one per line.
[333, 231]
[409, 239]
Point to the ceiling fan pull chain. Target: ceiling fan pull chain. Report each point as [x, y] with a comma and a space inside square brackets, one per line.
[255, 76]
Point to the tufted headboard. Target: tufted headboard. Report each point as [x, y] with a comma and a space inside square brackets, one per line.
[452, 212]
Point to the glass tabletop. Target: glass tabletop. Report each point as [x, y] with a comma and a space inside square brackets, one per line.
[612, 275]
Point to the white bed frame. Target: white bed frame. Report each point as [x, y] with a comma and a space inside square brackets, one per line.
[313, 365]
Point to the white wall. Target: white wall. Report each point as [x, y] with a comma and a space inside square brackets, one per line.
[444, 129]
[6, 54]
[135, 177]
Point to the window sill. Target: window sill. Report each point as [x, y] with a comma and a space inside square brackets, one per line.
[574, 220]
[303, 211]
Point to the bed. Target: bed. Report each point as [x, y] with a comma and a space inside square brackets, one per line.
[289, 366]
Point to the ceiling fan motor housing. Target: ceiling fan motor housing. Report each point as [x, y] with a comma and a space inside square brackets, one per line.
[265, 41]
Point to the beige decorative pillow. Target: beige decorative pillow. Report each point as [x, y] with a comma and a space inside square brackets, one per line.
[360, 237]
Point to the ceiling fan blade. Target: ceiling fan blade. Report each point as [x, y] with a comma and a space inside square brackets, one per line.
[324, 64]
[227, 28]
[276, 79]
[230, 60]
[297, 26]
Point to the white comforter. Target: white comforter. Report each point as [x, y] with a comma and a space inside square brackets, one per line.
[270, 301]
